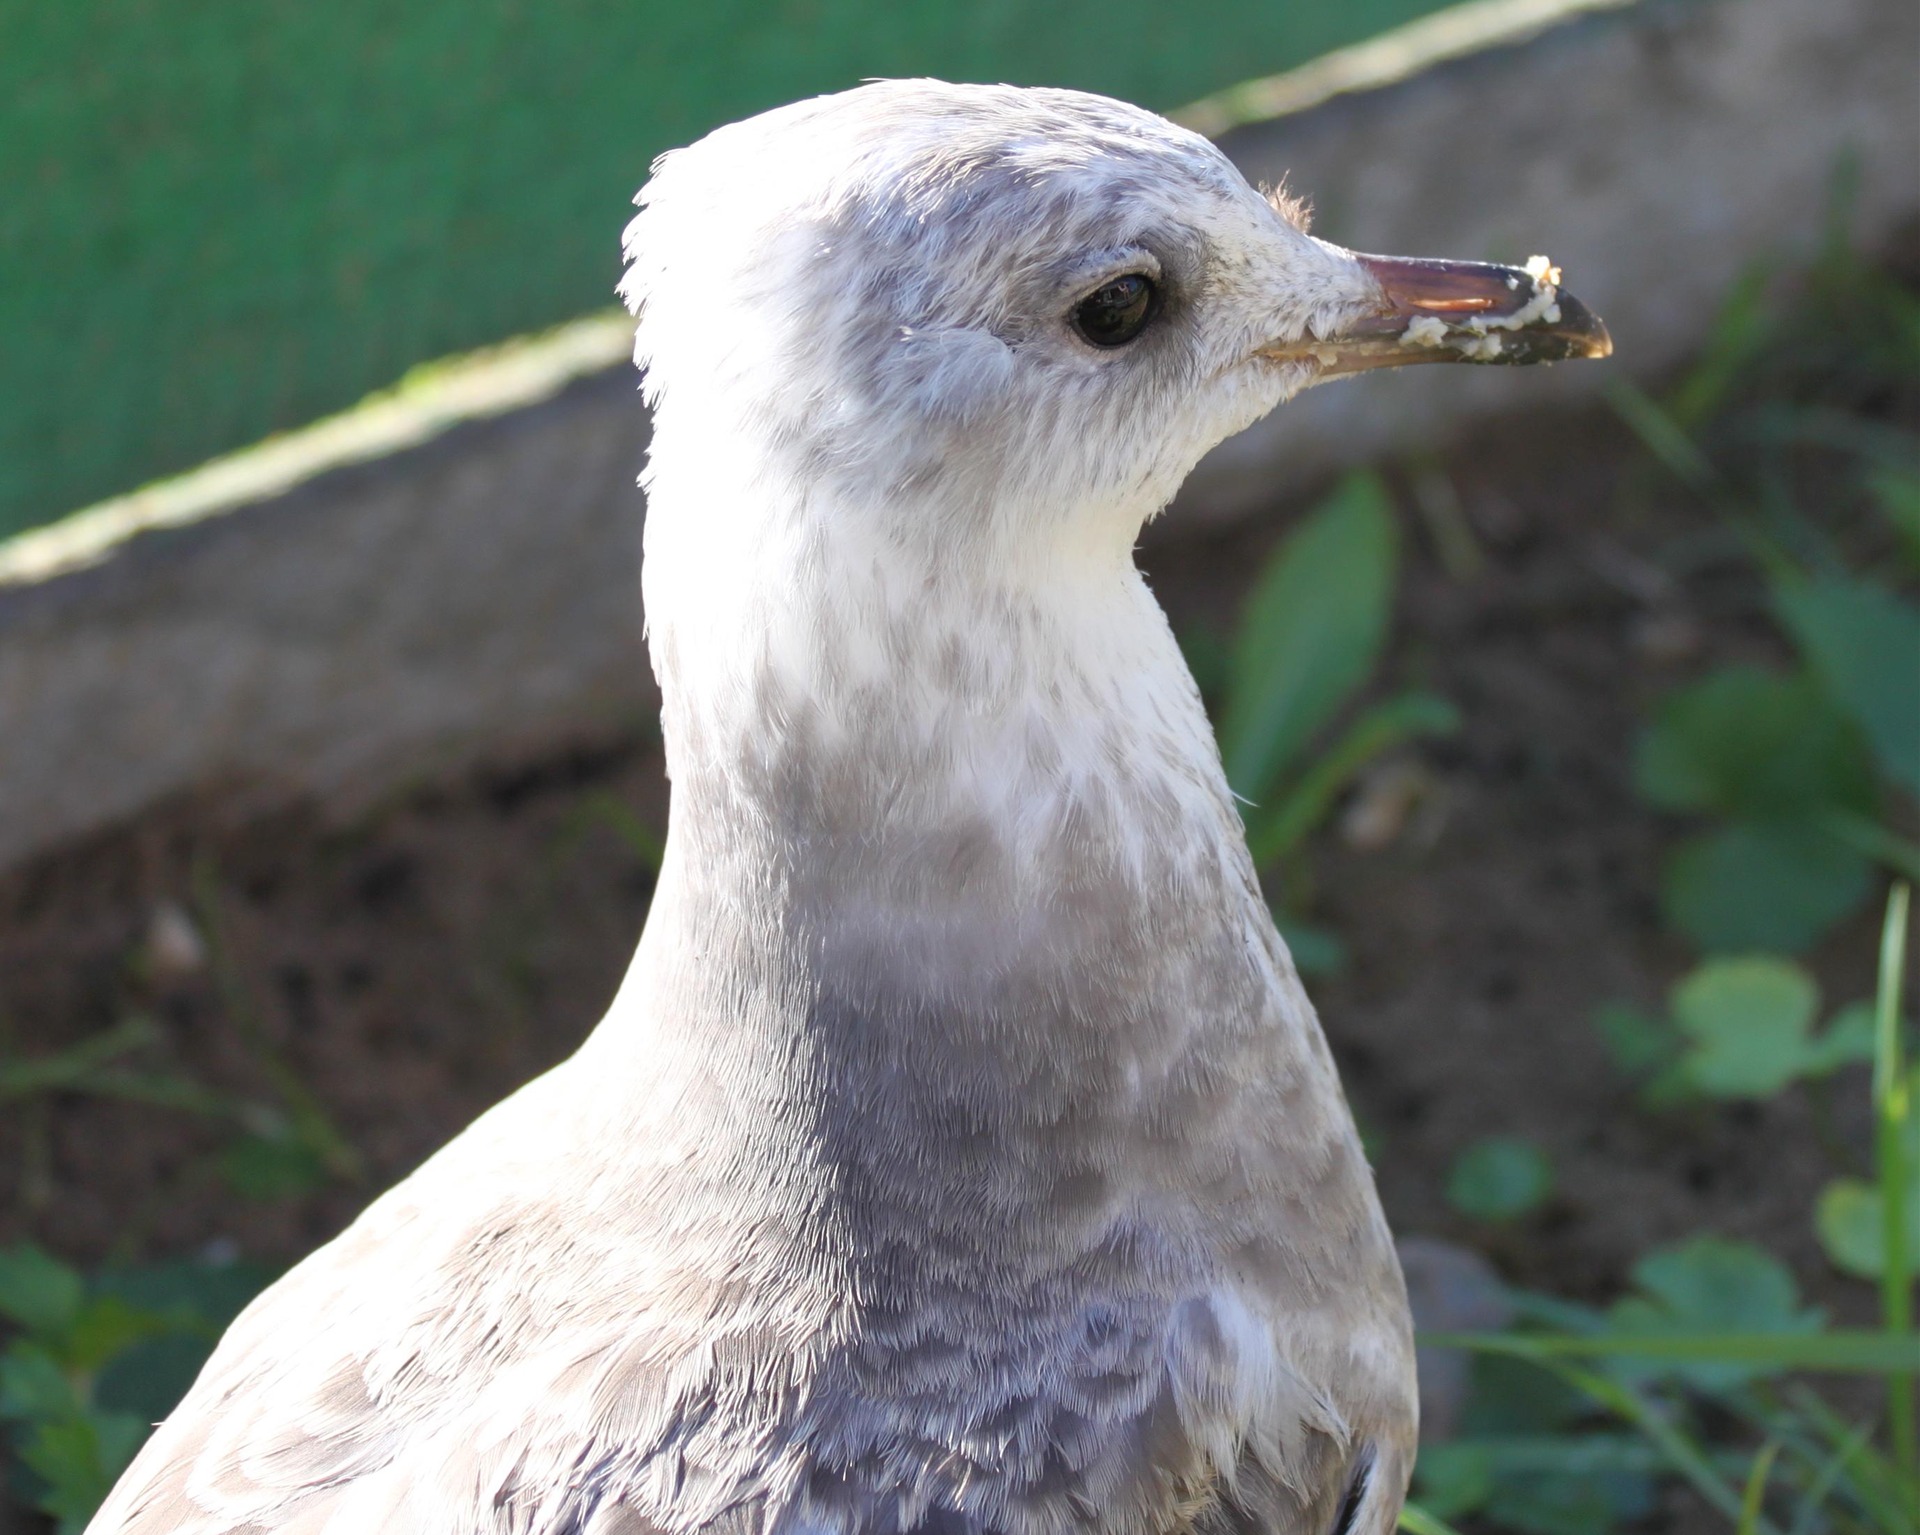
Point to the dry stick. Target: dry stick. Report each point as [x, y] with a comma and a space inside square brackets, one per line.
[1892, 1105]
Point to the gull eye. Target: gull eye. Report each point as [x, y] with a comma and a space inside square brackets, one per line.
[1115, 312]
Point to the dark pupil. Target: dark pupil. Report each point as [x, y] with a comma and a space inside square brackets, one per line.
[1114, 314]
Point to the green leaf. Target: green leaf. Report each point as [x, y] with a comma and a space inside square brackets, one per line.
[33, 1385]
[1210, 659]
[1864, 644]
[266, 1168]
[37, 1291]
[214, 1293]
[120, 1435]
[1569, 1504]
[1733, 1286]
[1315, 950]
[149, 1379]
[1778, 887]
[1753, 744]
[1500, 1178]
[105, 1327]
[1847, 1038]
[1849, 1217]
[1512, 1395]
[1898, 495]
[78, 1458]
[1550, 1484]
[1710, 1285]
[1453, 1479]
[1311, 633]
[1746, 1022]
[1848, 1222]
[1638, 1043]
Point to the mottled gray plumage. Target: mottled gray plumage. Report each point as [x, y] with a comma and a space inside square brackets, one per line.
[961, 1155]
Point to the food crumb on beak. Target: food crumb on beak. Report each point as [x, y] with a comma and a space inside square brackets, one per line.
[1542, 271]
[1424, 330]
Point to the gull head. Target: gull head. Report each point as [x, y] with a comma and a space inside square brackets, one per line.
[990, 311]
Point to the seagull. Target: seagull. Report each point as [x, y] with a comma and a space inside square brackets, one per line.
[961, 1154]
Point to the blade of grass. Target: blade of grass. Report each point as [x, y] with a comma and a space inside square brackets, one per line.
[162, 1091]
[1891, 1110]
[1840, 1352]
[1874, 1483]
[1272, 834]
[1802, 1459]
[1783, 423]
[89, 1067]
[1826, 1474]
[1665, 439]
[642, 840]
[1676, 452]
[1756, 1490]
[1741, 331]
[1415, 1520]
[1682, 1453]
[68, 1068]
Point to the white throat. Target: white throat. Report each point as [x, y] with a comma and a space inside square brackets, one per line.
[1009, 669]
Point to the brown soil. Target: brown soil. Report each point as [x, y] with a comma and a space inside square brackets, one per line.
[413, 967]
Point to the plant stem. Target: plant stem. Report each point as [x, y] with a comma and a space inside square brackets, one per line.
[1892, 1106]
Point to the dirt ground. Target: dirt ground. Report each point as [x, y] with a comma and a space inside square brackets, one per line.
[412, 967]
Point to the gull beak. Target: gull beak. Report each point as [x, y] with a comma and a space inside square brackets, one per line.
[1457, 311]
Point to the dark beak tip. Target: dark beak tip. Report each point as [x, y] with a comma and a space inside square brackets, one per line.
[1585, 333]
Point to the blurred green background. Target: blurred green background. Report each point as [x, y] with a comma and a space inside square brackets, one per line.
[224, 220]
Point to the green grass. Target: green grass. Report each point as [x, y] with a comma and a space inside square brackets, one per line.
[224, 221]
[1716, 1340]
